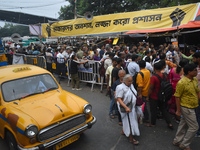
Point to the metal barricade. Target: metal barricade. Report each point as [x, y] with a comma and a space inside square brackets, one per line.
[39, 61]
[60, 70]
[90, 75]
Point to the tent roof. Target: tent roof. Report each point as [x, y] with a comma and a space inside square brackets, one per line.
[23, 18]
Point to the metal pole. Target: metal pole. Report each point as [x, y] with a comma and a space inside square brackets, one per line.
[75, 16]
[131, 135]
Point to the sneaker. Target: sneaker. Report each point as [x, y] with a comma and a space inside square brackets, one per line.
[79, 89]
[73, 89]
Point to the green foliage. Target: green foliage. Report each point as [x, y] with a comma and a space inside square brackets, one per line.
[102, 7]
[8, 29]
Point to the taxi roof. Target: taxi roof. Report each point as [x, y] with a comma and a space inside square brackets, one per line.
[9, 72]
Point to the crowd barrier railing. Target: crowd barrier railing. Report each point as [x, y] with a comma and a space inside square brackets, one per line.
[36, 60]
[88, 75]
[39, 61]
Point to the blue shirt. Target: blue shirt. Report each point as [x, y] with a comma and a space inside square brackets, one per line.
[133, 67]
[36, 52]
[115, 84]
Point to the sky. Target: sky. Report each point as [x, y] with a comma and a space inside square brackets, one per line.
[47, 8]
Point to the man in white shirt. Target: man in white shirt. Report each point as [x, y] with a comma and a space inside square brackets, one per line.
[148, 65]
[61, 63]
[66, 53]
[169, 54]
[133, 67]
[108, 62]
[177, 55]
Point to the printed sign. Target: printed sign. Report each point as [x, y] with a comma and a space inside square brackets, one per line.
[137, 20]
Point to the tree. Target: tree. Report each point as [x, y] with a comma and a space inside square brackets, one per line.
[102, 7]
[8, 29]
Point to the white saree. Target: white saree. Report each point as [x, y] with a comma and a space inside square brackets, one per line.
[126, 94]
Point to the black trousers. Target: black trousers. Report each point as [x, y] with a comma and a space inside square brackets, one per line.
[162, 107]
[61, 69]
[49, 67]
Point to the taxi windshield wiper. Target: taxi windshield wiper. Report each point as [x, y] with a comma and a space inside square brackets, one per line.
[49, 89]
[30, 95]
[52, 88]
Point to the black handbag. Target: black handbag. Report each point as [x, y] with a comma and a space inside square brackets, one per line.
[129, 105]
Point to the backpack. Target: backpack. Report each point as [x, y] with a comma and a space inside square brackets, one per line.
[135, 79]
[166, 91]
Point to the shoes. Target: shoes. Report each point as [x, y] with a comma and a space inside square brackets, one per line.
[184, 148]
[73, 88]
[134, 142]
[175, 144]
[79, 89]
[112, 116]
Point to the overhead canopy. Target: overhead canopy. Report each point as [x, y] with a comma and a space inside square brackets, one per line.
[23, 18]
[170, 17]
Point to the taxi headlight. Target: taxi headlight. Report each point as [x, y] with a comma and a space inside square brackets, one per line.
[31, 131]
[87, 108]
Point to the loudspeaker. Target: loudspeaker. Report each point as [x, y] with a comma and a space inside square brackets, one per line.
[88, 16]
[16, 37]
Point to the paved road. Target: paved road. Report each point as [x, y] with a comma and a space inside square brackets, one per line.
[105, 134]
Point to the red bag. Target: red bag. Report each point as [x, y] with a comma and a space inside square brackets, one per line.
[139, 101]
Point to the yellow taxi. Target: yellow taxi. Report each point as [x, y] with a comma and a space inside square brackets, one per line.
[36, 113]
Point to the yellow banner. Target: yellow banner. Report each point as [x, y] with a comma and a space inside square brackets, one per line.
[137, 20]
[115, 41]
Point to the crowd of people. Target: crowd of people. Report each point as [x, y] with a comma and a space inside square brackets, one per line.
[138, 72]
[142, 73]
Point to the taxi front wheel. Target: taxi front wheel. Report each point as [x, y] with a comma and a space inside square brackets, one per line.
[11, 142]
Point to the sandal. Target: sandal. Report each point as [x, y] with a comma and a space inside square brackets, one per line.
[176, 144]
[135, 142]
[120, 123]
[111, 116]
[170, 126]
[149, 125]
[122, 132]
[184, 148]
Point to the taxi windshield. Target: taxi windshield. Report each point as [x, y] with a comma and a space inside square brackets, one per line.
[24, 87]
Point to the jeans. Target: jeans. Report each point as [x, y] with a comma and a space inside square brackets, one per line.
[197, 110]
[112, 103]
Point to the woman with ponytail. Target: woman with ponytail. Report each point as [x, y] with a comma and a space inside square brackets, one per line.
[175, 75]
